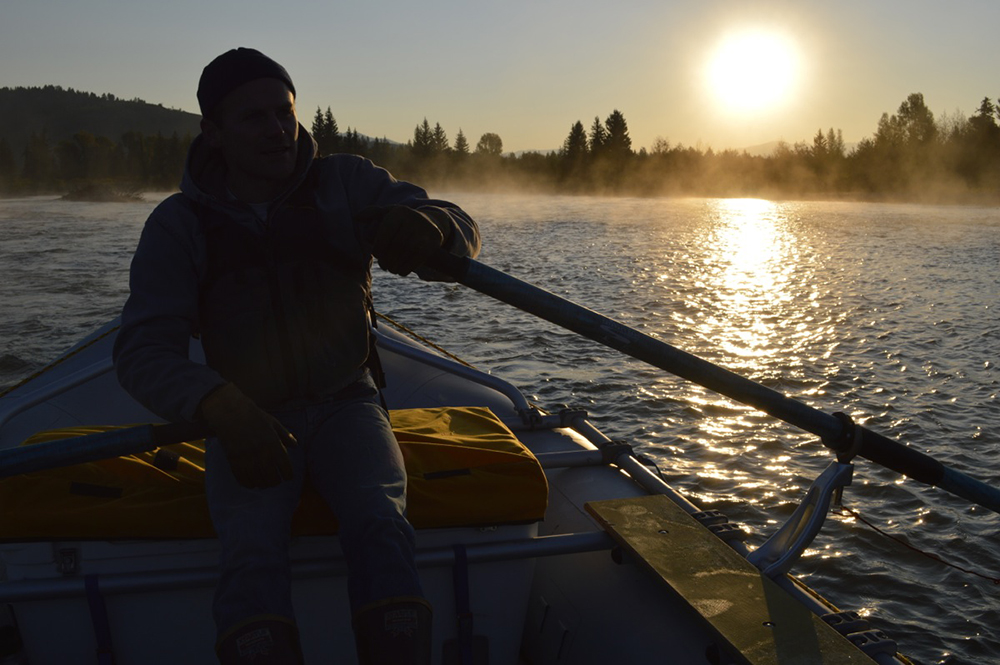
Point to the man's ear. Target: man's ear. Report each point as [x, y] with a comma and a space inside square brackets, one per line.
[212, 133]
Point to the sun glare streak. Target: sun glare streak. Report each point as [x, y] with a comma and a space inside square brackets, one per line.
[754, 259]
[750, 239]
[749, 303]
[746, 293]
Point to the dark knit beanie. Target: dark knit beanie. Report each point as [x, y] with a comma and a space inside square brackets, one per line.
[231, 70]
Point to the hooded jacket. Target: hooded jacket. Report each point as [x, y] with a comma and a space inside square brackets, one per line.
[173, 265]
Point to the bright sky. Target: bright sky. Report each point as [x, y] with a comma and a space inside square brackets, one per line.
[706, 73]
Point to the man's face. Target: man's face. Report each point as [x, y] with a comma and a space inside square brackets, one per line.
[257, 131]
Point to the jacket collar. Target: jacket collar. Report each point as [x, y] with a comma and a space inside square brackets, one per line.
[204, 178]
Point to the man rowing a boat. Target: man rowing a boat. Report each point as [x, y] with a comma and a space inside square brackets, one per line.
[266, 255]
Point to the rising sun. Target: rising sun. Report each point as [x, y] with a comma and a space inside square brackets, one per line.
[753, 71]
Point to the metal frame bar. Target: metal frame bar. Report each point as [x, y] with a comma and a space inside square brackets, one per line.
[120, 583]
[653, 484]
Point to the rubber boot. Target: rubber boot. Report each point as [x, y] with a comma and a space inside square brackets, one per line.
[397, 631]
[262, 642]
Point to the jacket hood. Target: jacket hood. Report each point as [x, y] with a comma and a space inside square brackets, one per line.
[204, 179]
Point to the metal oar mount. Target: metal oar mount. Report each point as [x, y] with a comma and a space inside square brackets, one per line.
[836, 432]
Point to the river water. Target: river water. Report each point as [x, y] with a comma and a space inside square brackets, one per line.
[886, 312]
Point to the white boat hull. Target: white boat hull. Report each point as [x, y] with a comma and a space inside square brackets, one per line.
[581, 608]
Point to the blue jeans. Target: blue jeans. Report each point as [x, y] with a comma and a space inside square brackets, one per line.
[348, 449]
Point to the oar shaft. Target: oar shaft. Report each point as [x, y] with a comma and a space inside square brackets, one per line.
[609, 332]
[604, 330]
[93, 447]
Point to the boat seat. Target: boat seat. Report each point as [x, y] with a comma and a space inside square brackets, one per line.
[754, 619]
[464, 467]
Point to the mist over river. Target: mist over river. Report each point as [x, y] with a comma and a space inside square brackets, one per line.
[888, 312]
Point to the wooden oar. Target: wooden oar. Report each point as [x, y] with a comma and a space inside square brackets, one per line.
[835, 431]
[93, 447]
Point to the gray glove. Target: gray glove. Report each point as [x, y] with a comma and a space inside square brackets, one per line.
[253, 440]
[404, 238]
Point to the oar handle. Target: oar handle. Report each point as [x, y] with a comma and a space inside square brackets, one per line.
[445, 262]
[93, 447]
[590, 324]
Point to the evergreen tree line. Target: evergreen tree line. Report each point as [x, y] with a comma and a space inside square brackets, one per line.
[136, 162]
[912, 155]
[429, 157]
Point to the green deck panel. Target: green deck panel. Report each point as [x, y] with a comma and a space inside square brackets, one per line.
[745, 608]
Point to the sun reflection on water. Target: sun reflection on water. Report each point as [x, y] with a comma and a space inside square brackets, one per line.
[754, 301]
[753, 261]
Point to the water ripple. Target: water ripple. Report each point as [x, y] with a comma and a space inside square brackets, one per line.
[886, 312]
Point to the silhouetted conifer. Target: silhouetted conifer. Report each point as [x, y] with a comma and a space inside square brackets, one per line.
[439, 140]
[598, 137]
[574, 148]
[461, 144]
[617, 142]
[423, 141]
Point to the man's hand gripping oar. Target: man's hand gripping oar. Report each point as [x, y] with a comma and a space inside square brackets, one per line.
[253, 440]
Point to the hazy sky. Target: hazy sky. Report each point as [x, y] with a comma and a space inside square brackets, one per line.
[527, 70]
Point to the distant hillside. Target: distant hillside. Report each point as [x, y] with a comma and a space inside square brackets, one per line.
[762, 149]
[61, 113]
[768, 149]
